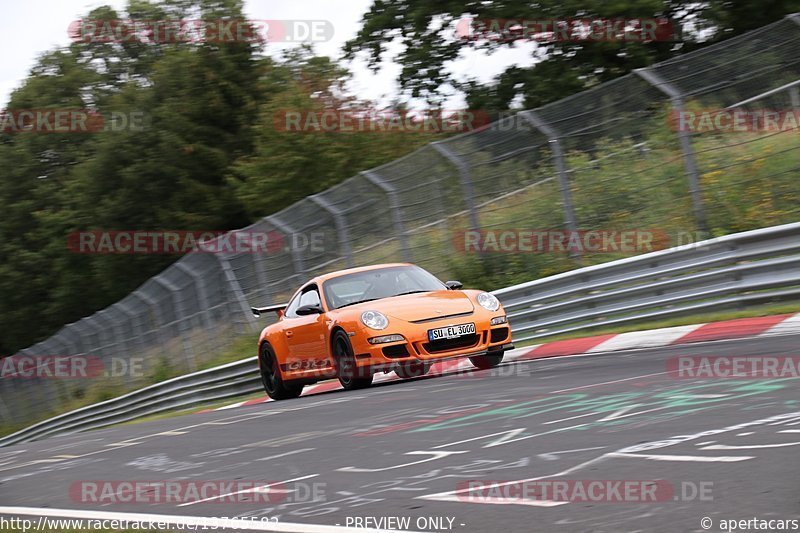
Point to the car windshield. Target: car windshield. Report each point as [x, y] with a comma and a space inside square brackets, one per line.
[379, 283]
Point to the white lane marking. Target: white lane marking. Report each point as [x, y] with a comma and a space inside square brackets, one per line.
[491, 500]
[609, 382]
[451, 494]
[285, 454]
[652, 338]
[569, 418]
[507, 435]
[243, 491]
[434, 456]
[201, 521]
[789, 431]
[749, 447]
[551, 456]
[685, 458]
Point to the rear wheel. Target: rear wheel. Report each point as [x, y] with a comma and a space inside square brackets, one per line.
[487, 361]
[346, 364]
[412, 370]
[274, 386]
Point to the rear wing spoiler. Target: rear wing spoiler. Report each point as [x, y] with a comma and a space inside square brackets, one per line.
[270, 308]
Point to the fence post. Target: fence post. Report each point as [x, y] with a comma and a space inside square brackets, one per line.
[570, 220]
[286, 229]
[181, 316]
[465, 176]
[684, 137]
[236, 290]
[202, 293]
[394, 205]
[341, 226]
[136, 327]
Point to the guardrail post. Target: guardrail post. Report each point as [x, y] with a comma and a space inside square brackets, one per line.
[465, 176]
[394, 205]
[794, 95]
[684, 137]
[553, 137]
[341, 226]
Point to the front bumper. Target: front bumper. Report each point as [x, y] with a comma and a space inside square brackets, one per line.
[416, 347]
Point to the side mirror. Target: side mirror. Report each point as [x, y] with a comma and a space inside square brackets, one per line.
[454, 285]
[304, 310]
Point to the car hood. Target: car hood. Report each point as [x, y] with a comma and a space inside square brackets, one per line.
[430, 305]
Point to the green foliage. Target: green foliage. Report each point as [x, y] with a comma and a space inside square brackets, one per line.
[426, 32]
[209, 158]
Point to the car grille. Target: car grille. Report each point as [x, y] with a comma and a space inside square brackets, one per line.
[398, 350]
[445, 345]
[498, 335]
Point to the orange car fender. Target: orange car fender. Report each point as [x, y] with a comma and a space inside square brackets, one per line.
[272, 335]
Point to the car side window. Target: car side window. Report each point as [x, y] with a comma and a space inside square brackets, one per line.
[309, 296]
[292, 307]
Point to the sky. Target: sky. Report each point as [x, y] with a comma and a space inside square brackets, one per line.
[32, 27]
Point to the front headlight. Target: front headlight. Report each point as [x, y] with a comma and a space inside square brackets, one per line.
[374, 320]
[488, 301]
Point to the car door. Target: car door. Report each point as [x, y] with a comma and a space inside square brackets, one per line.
[305, 335]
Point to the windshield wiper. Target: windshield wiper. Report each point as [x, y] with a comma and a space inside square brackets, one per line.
[358, 302]
[409, 292]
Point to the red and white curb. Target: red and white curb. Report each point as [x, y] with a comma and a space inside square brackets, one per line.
[613, 342]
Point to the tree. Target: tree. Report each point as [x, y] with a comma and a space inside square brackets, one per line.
[426, 31]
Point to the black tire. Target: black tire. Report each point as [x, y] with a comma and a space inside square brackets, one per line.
[274, 385]
[412, 370]
[485, 362]
[346, 364]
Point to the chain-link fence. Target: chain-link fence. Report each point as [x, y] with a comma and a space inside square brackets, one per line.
[609, 157]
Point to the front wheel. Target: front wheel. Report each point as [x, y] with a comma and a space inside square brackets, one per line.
[486, 361]
[346, 364]
[274, 385]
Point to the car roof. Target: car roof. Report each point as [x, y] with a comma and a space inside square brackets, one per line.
[336, 274]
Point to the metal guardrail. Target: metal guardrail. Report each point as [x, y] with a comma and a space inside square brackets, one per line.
[732, 271]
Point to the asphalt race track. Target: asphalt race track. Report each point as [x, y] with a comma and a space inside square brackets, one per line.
[415, 450]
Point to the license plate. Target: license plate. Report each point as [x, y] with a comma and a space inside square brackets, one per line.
[451, 332]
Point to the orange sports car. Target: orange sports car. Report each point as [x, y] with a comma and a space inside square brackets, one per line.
[354, 323]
